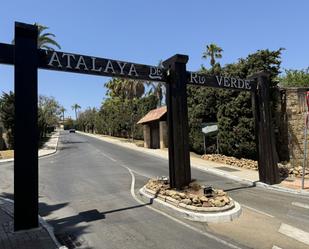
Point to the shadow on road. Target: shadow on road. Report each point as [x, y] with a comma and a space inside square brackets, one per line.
[7, 196]
[67, 230]
[242, 187]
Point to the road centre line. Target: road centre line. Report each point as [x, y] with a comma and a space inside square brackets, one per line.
[299, 204]
[257, 211]
[294, 233]
[174, 219]
[276, 247]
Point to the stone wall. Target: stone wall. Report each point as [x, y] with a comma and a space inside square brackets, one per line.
[163, 135]
[147, 137]
[290, 132]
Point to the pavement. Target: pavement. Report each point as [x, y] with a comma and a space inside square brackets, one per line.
[246, 176]
[39, 238]
[49, 148]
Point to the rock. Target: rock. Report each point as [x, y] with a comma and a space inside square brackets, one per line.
[242, 163]
[299, 168]
[226, 199]
[162, 192]
[207, 204]
[195, 186]
[219, 203]
[220, 192]
[176, 197]
[172, 192]
[182, 195]
[196, 200]
[186, 201]
[204, 199]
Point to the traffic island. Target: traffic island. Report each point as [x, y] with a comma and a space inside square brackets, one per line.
[194, 202]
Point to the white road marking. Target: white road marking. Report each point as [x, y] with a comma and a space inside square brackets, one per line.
[258, 211]
[294, 233]
[299, 204]
[176, 220]
[110, 158]
[276, 247]
[136, 172]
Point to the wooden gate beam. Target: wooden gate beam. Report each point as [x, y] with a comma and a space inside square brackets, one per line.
[264, 131]
[26, 128]
[177, 118]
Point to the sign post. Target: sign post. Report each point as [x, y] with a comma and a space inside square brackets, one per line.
[264, 133]
[177, 120]
[26, 128]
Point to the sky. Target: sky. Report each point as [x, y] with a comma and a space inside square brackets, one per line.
[145, 32]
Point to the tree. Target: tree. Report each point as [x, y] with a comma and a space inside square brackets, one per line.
[129, 91]
[232, 110]
[158, 89]
[75, 107]
[214, 52]
[87, 120]
[125, 88]
[62, 110]
[48, 111]
[7, 115]
[295, 78]
[45, 40]
[68, 124]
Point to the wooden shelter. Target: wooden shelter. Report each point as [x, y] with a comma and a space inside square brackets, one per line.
[155, 128]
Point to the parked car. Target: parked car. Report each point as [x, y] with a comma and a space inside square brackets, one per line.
[72, 130]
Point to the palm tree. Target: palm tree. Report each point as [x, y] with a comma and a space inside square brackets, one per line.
[75, 107]
[45, 40]
[62, 110]
[158, 88]
[133, 88]
[214, 52]
[125, 88]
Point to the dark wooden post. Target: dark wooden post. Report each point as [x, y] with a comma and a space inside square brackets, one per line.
[177, 117]
[265, 138]
[26, 128]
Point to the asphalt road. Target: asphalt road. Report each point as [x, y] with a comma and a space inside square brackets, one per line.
[85, 194]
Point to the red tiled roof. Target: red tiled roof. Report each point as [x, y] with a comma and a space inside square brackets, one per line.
[153, 115]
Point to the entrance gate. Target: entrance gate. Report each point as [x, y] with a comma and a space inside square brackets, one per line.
[27, 59]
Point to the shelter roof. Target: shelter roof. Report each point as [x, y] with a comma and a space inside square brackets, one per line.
[153, 115]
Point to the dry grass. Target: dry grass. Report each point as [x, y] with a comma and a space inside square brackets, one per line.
[6, 154]
[139, 143]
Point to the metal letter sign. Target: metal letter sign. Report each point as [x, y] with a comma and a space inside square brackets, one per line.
[75, 63]
[26, 58]
[219, 81]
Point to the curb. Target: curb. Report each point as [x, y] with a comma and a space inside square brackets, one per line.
[253, 183]
[44, 224]
[213, 217]
[6, 160]
[51, 153]
[283, 189]
[51, 233]
[224, 174]
[219, 172]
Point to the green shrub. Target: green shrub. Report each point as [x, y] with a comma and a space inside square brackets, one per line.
[295, 78]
